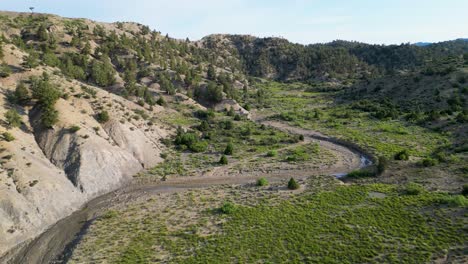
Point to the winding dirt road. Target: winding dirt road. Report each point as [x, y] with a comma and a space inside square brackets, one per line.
[56, 244]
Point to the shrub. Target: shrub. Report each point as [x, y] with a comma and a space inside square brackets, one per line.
[204, 126]
[228, 208]
[413, 189]
[402, 155]
[161, 101]
[21, 94]
[382, 164]
[13, 118]
[223, 160]
[102, 117]
[201, 114]
[5, 70]
[293, 185]
[45, 93]
[465, 190]
[199, 146]
[429, 162]
[229, 149]
[272, 153]
[74, 129]
[262, 182]
[110, 214]
[49, 117]
[455, 201]
[102, 73]
[363, 173]
[7, 136]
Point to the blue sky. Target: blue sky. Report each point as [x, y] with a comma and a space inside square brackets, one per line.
[302, 21]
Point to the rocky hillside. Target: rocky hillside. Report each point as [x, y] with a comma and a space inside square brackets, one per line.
[68, 134]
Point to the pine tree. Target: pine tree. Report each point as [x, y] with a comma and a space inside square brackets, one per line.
[293, 185]
[42, 34]
[229, 149]
[21, 94]
[223, 160]
[211, 73]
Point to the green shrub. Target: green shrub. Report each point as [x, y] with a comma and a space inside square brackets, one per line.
[44, 92]
[102, 73]
[110, 214]
[362, 173]
[402, 155]
[49, 116]
[223, 160]
[5, 70]
[102, 117]
[429, 162]
[229, 149]
[13, 118]
[382, 164]
[21, 94]
[7, 136]
[228, 208]
[198, 146]
[465, 190]
[272, 153]
[262, 182]
[455, 201]
[161, 101]
[413, 189]
[74, 129]
[293, 184]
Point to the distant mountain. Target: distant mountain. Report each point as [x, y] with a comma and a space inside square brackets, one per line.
[424, 44]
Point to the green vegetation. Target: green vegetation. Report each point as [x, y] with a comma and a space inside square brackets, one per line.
[223, 160]
[74, 129]
[312, 107]
[293, 184]
[21, 94]
[262, 182]
[402, 155]
[102, 117]
[7, 136]
[46, 96]
[229, 149]
[413, 189]
[356, 224]
[5, 70]
[190, 140]
[102, 73]
[228, 208]
[13, 118]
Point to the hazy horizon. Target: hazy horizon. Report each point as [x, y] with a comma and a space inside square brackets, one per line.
[299, 21]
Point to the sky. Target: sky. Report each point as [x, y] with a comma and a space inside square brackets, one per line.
[300, 21]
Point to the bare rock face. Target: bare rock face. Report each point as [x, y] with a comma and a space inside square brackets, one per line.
[93, 165]
[135, 142]
[33, 192]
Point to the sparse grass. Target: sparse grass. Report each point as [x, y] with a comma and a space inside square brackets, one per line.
[343, 225]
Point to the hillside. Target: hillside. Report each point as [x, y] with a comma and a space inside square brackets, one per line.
[88, 107]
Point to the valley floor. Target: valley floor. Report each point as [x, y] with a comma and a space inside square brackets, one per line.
[179, 220]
